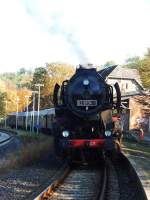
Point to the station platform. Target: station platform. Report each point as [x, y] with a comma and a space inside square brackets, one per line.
[4, 137]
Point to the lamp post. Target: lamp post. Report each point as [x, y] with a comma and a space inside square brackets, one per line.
[39, 93]
[33, 92]
[27, 111]
[30, 122]
[17, 102]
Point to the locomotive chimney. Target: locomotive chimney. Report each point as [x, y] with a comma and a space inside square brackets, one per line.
[86, 66]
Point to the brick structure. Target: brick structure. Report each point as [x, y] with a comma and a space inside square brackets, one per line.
[136, 113]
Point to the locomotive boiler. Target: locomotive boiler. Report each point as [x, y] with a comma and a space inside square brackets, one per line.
[83, 127]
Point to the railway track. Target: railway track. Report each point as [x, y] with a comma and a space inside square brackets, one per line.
[129, 184]
[116, 179]
[123, 182]
[78, 183]
[5, 137]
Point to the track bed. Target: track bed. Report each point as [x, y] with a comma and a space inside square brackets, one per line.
[115, 179]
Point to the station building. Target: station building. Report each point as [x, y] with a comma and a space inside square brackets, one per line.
[135, 99]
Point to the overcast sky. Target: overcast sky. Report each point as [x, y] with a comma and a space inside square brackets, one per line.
[33, 32]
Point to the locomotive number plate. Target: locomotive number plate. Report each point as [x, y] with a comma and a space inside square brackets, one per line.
[86, 102]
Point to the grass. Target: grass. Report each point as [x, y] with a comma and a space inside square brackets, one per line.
[34, 148]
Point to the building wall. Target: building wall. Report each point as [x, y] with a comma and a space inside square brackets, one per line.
[135, 112]
[125, 119]
[138, 116]
[126, 86]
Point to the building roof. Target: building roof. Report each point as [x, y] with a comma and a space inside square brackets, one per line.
[122, 72]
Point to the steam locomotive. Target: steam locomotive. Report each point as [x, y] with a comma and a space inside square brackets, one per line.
[83, 127]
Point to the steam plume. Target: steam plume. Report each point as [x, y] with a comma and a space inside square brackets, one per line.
[70, 37]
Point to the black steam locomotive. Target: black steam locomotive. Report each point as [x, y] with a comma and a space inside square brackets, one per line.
[83, 126]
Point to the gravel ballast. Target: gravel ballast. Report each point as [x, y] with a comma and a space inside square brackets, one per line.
[19, 184]
[26, 179]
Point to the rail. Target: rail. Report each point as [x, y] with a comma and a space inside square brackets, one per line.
[4, 137]
[77, 183]
[115, 179]
[47, 193]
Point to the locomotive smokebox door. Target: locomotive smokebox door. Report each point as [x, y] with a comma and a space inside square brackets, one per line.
[86, 92]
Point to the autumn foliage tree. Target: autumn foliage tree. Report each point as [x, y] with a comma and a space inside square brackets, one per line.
[57, 73]
[21, 95]
[48, 76]
[143, 66]
[21, 84]
[2, 104]
[12, 87]
[39, 76]
[144, 70]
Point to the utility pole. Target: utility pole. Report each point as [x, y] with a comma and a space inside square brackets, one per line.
[30, 122]
[33, 92]
[39, 93]
[27, 111]
[17, 102]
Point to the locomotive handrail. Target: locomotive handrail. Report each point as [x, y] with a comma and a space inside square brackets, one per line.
[118, 92]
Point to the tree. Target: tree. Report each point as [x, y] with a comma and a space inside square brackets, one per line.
[8, 76]
[132, 62]
[21, 71]
[48, 76]
[133, 59]
[109, 63]
[2, 104]
[39, 76]
[143, 66]
[21, 94]
[144, 70]
[57, 73]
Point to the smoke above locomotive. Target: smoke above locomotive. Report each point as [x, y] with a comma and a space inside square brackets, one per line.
[86, 93]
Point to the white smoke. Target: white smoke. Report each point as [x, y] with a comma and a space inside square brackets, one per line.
[70, 36]
[55, 20]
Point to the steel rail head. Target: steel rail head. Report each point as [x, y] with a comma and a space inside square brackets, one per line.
[47, 193]
[103, 184]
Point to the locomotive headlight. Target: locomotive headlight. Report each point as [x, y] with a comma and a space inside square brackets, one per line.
[86, 82]
[65, 133]
[107, 133]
